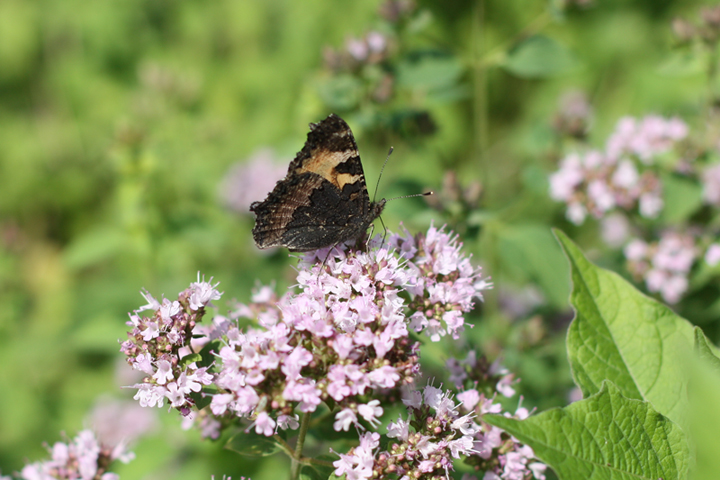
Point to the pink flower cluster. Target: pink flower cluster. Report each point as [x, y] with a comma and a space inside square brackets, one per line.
[369, 50]
[664, 265]
[158, 346]
[343, 338]
[481, 376]
[437, 431]
[80, 458]
[495, 453]
[442, 283]
[425, 445]
[621, 176]
[646, 138]
[344, 335]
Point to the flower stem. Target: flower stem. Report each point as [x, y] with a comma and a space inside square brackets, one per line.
[297, 455]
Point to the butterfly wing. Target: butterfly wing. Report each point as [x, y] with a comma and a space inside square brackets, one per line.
[323, 200]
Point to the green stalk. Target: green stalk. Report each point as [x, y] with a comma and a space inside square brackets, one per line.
[297, 454]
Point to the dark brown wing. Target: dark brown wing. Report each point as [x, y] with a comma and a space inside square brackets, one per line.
[323, 200]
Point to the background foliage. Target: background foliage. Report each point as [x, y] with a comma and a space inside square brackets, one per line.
[121, 118]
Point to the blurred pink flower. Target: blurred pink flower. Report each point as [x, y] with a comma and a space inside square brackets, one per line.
[664, 265]
[251, 180]
[358, 49]
[78, 458]
[615, 229]
[598, 182]
[711, 184]
[115, 421]
[712, 255]
[647, 137]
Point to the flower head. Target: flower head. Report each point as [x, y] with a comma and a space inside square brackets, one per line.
[83, 457]
[620, 177]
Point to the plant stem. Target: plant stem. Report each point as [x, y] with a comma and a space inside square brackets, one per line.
[480, 113]
[297, 455]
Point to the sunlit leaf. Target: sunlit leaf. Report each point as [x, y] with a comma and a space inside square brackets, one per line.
[606, 436]
[621, 335]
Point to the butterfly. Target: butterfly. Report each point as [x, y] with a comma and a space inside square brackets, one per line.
[323, 199]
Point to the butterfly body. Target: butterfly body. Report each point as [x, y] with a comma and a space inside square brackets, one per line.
[323, 199]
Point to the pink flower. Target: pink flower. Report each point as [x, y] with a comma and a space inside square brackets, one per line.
[220, 403]
[712, 255]
[711, 184]
[615, 229]
[250, 180]
[288, 422]
[371, 412]
[264, 425]
[306, 394]
[664, 265]
[343, 419]
[294, 362]
[82, 457]
[564, 182]
[164, 372]
[597, 182]
[202, 293]
[384, 377]
[398, 429]
[469, 399]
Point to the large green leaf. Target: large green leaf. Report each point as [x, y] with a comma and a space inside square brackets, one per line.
[621, 335]
[704, 397]
[705, 350]
[606, 436]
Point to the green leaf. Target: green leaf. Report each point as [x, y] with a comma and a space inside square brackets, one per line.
[537, 57]
[704, 396]
[95, 246]
[204, 397]
[606, 436]
[683, 63]
[705, 350]
[342, 92]
[252, 445]
[188, 359]
[316, 471]
[621, 335]
[429, 70]
[533, 254]
[207, 354]
[682, 198]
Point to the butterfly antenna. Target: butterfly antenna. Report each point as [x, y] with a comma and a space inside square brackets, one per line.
[377, 185]
[413, 195]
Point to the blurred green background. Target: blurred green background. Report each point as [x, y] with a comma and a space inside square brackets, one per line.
[120, 119]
